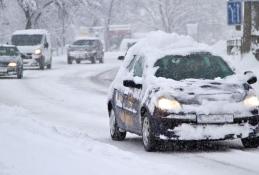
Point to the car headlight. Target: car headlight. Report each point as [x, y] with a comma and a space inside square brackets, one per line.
[251, 101]
[12, 64]
[37, 52]
[169, 104]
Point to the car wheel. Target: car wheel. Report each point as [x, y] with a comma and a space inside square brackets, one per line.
[93, 60]
[101, 60]
[20, 74]
[250, 142]
[49, 66]
[148, 137]
[78, 61]
[69, 60]
[116, 133]
[42, 63]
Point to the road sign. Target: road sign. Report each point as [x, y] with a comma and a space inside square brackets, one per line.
[234, 12]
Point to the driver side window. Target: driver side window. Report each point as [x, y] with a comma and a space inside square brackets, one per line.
[138, 68]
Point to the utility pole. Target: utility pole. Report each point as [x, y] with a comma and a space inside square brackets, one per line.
[250, 27]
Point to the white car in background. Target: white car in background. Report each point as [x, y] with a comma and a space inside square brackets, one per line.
[35, 47]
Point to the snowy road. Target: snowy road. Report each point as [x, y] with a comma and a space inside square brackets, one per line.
[55, 122]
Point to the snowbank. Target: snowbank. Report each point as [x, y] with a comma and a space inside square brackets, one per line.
[31, 147]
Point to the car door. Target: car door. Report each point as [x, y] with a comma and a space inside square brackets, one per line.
[119, 101]
[132, 100]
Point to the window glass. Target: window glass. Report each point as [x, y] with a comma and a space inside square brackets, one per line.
[8, 51]
[138, 68]
[26, 40]
[131, 64]
[194, 66]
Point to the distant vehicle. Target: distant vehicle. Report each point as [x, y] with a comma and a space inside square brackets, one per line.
[35, 47]
[186, 95]
[10, 61]
[126, 44]
[85, 49]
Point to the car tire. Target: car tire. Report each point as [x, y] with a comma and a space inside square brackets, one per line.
[148, 137]
[78, 61]
[42, 63]
[250, 142]
[93, 60]
[20, 74]
[115, 132]
[101, 60]
[49, 66]
[69, 60]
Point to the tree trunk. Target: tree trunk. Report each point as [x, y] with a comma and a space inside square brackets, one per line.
[28, 20]
[107, 26]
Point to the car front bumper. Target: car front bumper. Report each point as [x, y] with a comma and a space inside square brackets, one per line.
[80, 55]
[189, 129]
[8, 71]
[31, 60]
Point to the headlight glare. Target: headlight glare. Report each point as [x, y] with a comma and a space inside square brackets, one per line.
[37, 52]
[12, 64]
[169, 104]
[252, 101]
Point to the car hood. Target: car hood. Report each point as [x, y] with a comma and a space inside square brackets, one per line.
[7, 59]
[28, 49]
[198, 91]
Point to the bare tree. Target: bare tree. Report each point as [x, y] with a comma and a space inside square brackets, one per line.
[33, 11]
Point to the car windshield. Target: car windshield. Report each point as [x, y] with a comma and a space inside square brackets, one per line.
[84, 43]
[193, 66]
[26, 40]
[8, 51]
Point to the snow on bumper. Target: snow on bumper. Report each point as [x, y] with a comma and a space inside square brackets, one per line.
[209, 132]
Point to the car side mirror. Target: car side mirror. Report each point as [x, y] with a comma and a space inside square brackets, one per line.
[251, 78]
[121, 57]
[46, 45]
[131, 84]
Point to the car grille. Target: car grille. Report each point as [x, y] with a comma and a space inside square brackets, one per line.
[27, 56]
[3, 64]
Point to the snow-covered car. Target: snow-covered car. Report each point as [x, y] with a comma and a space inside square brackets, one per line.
[85, 49]
[10, 61]
[35, 47]
[166, 91]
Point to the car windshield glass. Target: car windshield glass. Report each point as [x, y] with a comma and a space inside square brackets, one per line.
[26, 40]
[84, 43]
[8, 51]
[193, 66]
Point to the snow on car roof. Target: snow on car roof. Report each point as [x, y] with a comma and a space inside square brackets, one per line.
[7, 45]
[87, 38]
[31, 32]
[158, 44]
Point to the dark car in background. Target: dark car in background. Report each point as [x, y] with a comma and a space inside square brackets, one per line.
[82, 49]
[10, 61]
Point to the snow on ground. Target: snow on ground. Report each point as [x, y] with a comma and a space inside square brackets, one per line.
[55, 122]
